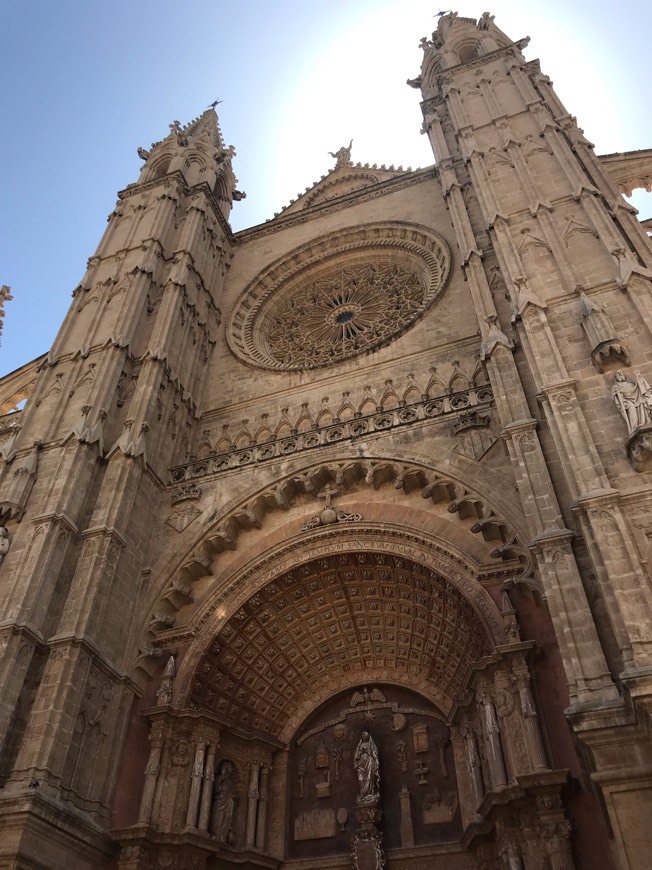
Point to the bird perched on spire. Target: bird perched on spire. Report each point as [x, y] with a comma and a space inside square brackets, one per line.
[214, 103]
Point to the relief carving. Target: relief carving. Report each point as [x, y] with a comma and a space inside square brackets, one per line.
[330, 514]
[420, 738]
[401, 751]
[438, 807]
[323, 788]
[316, 825]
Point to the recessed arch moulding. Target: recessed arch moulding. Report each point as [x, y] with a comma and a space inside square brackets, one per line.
[336, 609]
[294, 619]
[452, 530]
[446, 509]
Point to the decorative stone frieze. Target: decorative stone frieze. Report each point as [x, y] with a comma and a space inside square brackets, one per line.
[444, 407]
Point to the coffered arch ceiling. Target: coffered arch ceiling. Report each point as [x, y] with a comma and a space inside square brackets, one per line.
[337, 621]
[199, 580]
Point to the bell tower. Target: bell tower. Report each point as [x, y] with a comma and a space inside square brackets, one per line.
[558, 268]
[114, 405]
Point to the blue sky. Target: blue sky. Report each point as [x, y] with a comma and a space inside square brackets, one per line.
[87, 81]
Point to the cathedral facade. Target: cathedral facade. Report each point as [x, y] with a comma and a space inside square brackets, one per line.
[325, 544]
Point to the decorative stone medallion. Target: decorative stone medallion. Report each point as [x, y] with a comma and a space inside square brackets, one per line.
[338, 296]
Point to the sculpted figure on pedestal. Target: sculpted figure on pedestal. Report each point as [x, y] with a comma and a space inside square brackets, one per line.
[223, 804]
[491, 730]
[367, 769]
[633, 399]
[342, 155]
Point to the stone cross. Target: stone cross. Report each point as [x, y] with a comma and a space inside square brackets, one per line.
[326, 494]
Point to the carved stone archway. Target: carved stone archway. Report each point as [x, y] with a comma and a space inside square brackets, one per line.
[357, 611]
[429, 557]
[484, 517]
[322, 617]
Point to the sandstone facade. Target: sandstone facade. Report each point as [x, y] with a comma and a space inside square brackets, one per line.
[326, 543]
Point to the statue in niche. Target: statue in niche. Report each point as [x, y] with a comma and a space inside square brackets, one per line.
[633, 399]
[491, 730]
[223, 804]
[367, 769]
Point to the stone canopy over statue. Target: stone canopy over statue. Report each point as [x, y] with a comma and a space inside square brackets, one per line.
[367, 768]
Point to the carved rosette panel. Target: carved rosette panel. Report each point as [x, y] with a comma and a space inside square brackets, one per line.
[328, 618]
[419, 802]
[344, 294]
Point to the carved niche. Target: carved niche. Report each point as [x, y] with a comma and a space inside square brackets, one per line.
[419, 803]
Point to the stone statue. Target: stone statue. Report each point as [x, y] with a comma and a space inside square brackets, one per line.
[223, 804]
[633, 399]
[164, 694]
[491, 730]
[4, 542]
[367, 769]
[342, 155]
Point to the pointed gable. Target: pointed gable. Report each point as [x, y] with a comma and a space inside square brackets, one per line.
[345, 177]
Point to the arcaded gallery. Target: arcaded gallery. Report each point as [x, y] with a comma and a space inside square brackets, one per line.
[325, 544]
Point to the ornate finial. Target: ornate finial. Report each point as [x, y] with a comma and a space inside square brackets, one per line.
[164, 693]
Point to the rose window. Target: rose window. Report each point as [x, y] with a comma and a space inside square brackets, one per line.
[343, 314]
[342, 302]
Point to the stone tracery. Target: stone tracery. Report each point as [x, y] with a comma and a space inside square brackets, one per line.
[346, 312]
[349, 293]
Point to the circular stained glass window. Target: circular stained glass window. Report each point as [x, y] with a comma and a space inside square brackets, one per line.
[363, 291]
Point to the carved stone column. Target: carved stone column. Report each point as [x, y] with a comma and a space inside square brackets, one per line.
[510, 853]
[195, 784]
[252, 804]
[152, 772]
[277, 789]
[407, 828]
[207, 788]
[262, 808]
[558, 845]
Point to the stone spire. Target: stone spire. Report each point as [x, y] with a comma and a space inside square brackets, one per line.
[196, 150]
